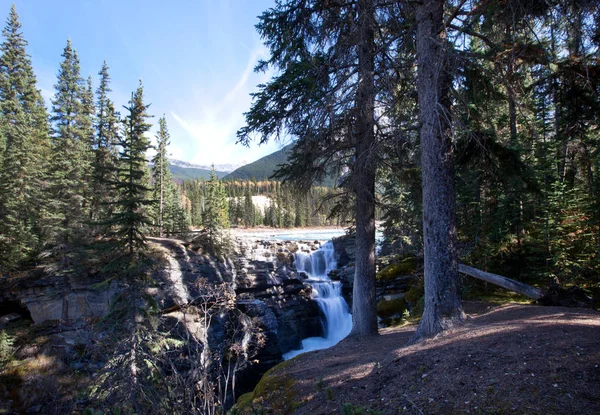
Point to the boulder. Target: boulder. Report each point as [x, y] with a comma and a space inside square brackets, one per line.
[345, 250]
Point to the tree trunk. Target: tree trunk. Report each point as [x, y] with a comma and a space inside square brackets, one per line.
[509, 284]
[443, 307]
[364, 310]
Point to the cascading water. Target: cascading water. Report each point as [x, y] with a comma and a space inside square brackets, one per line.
[328, 295]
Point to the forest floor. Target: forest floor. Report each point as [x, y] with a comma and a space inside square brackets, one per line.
[508, 359]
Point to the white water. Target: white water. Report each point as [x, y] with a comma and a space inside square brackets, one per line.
[327, 294]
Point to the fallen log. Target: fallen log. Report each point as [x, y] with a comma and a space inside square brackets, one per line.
[512, 285]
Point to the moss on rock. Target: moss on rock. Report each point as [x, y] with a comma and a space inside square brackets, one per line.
[406, 266]
[275, 391]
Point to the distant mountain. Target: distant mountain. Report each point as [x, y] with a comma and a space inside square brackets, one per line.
[227, 168]
[188, 173]
[262, 168]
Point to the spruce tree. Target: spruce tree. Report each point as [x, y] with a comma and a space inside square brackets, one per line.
[160, 171]
[325, 94]
[132, 215]
[106, 138]
[248, 209]
[216, 216]
[23, 148]
[71, 152]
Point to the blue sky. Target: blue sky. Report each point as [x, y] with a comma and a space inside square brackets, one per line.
[194, 57]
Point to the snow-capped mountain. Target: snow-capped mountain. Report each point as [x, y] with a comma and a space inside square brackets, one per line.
[226, 168]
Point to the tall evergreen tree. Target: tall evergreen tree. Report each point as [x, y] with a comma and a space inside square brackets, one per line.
[249, 209]
[107, 125]
[24, 148]
[325, 95]
[160, 171]
[71, 152]
[216, 216]
[132, 215]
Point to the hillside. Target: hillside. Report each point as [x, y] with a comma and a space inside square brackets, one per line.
[188, 173]
[262, 168]
[512, 359]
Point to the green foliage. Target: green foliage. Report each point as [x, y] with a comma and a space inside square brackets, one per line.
[329, 393]
[6, 348]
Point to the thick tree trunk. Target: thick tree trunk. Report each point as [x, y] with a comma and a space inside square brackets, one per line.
[509, 284]
[364, 310]
[443, 307]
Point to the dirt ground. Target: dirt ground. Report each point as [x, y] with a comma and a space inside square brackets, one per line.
[510, 359]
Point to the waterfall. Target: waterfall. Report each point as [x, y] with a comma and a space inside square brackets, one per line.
[328, 295]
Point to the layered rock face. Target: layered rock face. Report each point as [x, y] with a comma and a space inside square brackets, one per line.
[266, 272]
[61, 297]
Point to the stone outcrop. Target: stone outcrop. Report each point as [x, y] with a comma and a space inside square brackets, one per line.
[47, 297]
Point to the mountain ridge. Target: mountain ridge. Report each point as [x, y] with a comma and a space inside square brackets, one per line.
[263, 168]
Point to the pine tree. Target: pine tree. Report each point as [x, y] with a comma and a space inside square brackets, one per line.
[248, 209]
[160, 170]
[325, 95]
[216, 216]
[71, 152]
[106, 138]
[131, 184]
[23, 148]
[176, 219]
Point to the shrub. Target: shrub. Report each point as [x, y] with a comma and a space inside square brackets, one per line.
[392, 307]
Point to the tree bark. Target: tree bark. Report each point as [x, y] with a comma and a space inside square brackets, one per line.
[509, 284]
[364, 310]
[443, 308]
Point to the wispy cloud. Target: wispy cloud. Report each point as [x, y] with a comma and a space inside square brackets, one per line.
[212, 124]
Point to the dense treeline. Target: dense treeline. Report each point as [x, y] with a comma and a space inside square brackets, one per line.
[280, 206]
[78, 172]
[525, 104]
